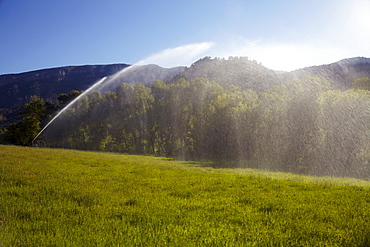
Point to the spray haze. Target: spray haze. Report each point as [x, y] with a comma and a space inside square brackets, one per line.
[168, 57]
[298, 125]
[182, 55]
[70, 104]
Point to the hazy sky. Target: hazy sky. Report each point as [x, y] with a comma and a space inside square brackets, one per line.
[281, 34]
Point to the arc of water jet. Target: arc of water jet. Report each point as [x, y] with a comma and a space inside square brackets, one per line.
[115, 76]
[119, 73]
[178, 51]
[71, 103]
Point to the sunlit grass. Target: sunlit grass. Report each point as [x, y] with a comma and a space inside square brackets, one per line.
[53, 197]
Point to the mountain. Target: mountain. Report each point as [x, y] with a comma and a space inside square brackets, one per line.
[238, 71]
[16, 89]
[49, 83]
[340, 74]
[248, 74]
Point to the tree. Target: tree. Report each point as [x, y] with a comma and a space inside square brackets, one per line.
[24, 131]
[65, 99]
[362, 83]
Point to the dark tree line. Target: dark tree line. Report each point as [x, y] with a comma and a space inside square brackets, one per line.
[33, 115]
[302, 126]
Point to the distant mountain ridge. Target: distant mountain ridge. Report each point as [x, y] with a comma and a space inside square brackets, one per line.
[238, 71]
[61, 72]
[49, 83]
[340, 74]
[248, 74]
[16, 89]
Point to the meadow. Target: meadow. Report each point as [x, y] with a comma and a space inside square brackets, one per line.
[57, 197]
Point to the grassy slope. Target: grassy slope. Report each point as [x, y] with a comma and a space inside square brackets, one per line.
[70, 198]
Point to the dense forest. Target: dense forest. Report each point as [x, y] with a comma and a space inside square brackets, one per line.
[302, 126]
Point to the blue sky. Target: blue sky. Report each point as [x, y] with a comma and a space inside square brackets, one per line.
[281, 34]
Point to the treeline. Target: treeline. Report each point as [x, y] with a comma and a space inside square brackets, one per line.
[33, 115]
[302, 126]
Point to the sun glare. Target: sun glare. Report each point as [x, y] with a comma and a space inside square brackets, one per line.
[284, 57]
[288, 57]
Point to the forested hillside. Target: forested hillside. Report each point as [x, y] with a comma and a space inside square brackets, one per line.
[17, 89]
[249, 74]
[238, 71]
[340, 74]
[302, 126]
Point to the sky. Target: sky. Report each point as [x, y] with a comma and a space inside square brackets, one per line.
[280, 34]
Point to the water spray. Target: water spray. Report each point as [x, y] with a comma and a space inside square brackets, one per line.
[71, 103]
[188, 51]
[114, 77]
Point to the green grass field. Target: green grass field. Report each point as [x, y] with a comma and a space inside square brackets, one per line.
[51, 197]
